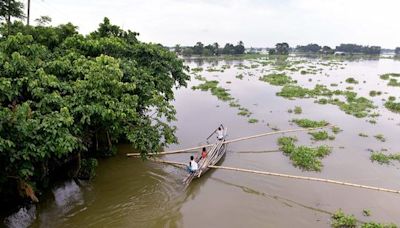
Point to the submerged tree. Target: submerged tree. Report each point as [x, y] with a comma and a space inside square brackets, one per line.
[309, 48]
[397, 51]
[280, 49]
[67, 99]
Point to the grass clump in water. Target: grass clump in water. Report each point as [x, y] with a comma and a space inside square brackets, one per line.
[380, 137]
[211, 69]
[319, 135]
[244, 112]
[392, 105]
[388, 75]
[307, 123]
[200, 78]
[374, 93]
[362, 135]
[366, 212]
[382, 158]
[239, 76]
[336, 130]
[252, 120]
[393, 82]
[297, 110]
[341, 220]
[306, 158]
[219, 92]
[355, 106]
[351, 81]
[197, 69]
[276, 79]
[234, 104]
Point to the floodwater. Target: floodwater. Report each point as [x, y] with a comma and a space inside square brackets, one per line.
[128, 192]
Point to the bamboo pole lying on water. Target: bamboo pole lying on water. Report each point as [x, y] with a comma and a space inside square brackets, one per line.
[230, 141]
[290, 176]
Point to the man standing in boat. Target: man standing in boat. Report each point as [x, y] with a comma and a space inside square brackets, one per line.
[220, 133]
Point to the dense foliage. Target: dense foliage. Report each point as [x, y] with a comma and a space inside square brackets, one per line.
[358, 49]
[280, 49]
[211, 49]
[68, 98]
[314, 49]
[397, 51]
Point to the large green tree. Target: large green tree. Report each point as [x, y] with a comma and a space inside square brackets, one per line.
[67, 99]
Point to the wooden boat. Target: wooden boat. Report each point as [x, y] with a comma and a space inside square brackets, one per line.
[214, 155]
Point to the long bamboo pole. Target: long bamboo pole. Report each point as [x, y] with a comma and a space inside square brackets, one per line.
[290, 176]
[231, 141]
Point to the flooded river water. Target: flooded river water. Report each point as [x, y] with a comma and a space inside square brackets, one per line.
[128, 192]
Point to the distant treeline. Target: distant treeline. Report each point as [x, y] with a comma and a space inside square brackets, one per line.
[211, 49]
[342, 48]
[280, 49]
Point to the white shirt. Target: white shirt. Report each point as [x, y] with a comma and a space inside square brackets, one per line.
[220, 134]
[193, 166]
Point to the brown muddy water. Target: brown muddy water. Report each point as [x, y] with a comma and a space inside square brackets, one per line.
[128, 192]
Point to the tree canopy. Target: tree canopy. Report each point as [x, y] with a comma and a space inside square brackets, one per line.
[213, 49]
[397, 51]
[11, 8]
[280, 49]
[68, 98]
[359, 49]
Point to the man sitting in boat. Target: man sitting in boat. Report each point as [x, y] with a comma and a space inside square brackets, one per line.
[220, 133]
[193, 166]
[204, 153]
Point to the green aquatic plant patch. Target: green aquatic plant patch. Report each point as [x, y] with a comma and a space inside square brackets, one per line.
[382, 158]
[306, 158]
[380, 137]
[342, 220]
[393, 82]
[197, 69]
[319, 135]
[355, 106]
[297, 110]
[276, 79]
[374, 93]
[252, 120]
[352, 105]
[239, 76]
[392, 106]
[222, 94]
[351, 81]
[307, 123]
[388, 75]
[336, 130]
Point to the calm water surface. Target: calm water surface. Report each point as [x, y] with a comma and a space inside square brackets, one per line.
[128, 192]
